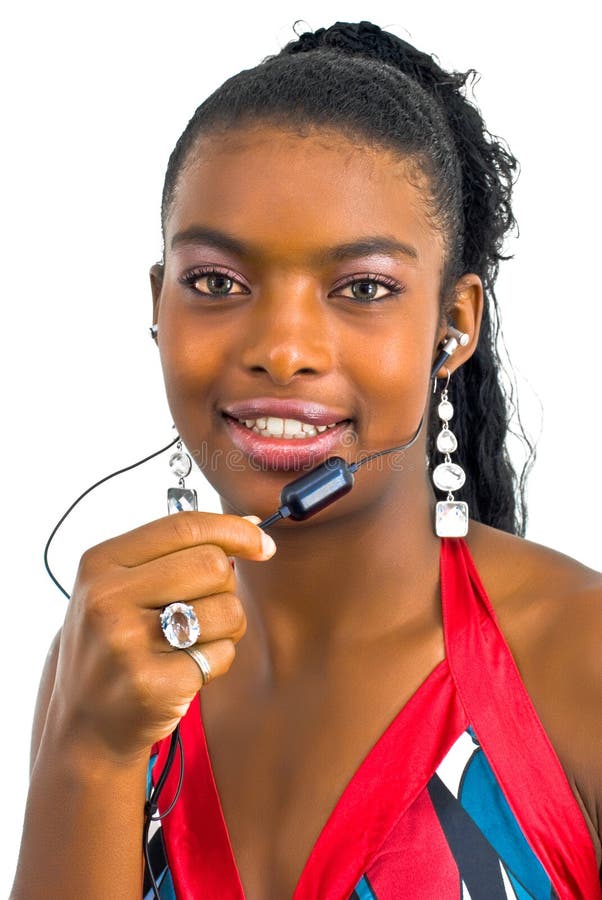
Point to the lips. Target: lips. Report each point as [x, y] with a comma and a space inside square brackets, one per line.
[325, 427]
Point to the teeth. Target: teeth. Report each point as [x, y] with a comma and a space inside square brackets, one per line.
[291, 427]
[272, 426]
[275, 426]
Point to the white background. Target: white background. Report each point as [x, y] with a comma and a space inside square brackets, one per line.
[94, 98]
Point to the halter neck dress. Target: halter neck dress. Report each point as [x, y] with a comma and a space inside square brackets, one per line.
[462, 796]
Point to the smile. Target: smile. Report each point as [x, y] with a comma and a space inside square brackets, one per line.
[274, 427]
[278, 443]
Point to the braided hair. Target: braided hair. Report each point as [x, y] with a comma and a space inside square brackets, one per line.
[378, 90]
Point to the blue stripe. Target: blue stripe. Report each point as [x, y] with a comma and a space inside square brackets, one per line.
[482, 798]
[364, 891]
[165, 885]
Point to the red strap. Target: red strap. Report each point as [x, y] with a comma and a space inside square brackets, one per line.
[196, 839]
[388, 781]
[509, 730]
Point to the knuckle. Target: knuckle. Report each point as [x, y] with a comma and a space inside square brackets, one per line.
[189, 528]
[217, 566]
[234, 614]
[121, 637]
[88, 563]
[92, 601]
[228, 653]
[142, 685]
[86, 558]
[230, 582]
[101, 601]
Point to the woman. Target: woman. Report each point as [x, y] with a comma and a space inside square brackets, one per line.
[407, 712]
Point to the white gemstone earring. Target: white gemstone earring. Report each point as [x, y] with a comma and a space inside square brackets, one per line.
[181, 498]
[451, 516]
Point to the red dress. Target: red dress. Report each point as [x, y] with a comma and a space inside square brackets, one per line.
[462, 796]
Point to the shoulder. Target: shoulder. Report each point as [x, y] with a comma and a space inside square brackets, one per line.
[549, 609]
[512, 563]
[548, 605]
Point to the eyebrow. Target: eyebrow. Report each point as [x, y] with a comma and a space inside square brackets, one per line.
[365, 246]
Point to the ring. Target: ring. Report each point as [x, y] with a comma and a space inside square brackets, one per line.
[180, 625]
[201, 661]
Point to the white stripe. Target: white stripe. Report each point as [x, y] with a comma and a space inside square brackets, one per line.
[452, 766]
[155, 825]
[510, 892]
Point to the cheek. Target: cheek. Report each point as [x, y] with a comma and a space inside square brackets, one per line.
[395, 375]
[189, 358]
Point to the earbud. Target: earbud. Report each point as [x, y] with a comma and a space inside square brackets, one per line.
[461, 336]
[453, 339]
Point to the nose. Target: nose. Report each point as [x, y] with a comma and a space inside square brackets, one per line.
[289, 332]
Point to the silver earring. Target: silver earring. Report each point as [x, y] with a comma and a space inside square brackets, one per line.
[451, 516]
[153, 331]
[181, 498]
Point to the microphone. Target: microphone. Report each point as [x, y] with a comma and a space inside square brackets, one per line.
[314, 491]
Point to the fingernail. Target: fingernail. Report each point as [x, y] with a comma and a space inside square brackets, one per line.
[267, 544]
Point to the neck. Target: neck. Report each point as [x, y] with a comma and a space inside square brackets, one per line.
[340, 580]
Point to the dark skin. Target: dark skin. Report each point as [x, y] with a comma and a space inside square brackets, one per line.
[289, 196]
[344, 636]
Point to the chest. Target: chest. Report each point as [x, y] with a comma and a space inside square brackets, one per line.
[281, 766]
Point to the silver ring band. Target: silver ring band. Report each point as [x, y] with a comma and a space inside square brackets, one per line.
[201, 661]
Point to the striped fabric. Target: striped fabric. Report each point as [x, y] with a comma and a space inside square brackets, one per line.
[461, 798]
[484, 842]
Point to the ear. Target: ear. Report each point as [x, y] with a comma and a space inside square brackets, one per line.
[156, 279]
[465, 314]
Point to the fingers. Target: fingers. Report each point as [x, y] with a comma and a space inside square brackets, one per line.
[179, 665]
[235, 535]
[185, 575]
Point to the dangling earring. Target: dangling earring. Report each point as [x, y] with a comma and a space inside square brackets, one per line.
[451, 516]
[181, 498]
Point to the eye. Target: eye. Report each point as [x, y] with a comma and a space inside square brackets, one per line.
[368, 288]
[213, 282]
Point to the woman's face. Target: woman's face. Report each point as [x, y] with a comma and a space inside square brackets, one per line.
[259, 318]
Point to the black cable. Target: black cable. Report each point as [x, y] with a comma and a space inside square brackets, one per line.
[332, 479]
[355, 465]
[176, 741]
[152, 804]
[87, 491]
[314, 491]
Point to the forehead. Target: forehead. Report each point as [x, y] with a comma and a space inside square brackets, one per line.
[292, 193]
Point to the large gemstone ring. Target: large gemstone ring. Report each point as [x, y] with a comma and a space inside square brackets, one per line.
[180, 625]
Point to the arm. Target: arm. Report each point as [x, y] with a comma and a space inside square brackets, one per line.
[84, 815]
[112, 687]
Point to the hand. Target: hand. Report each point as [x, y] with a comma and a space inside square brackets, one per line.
[119, 685]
